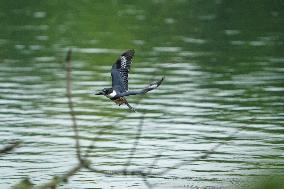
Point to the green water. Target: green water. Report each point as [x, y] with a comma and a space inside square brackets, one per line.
[224, 68]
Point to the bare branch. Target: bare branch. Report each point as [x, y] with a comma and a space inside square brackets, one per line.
[144, 174]
[70, 103]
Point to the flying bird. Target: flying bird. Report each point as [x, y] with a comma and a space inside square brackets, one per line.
[119, 73]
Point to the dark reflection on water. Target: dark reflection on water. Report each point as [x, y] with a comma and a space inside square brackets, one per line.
[223, 63]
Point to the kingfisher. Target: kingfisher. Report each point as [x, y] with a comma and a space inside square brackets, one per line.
[119, 73]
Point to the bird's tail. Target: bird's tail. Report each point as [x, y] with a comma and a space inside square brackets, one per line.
[153, 85]
[130, 107]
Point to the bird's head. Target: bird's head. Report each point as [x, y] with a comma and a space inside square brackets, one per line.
[105, 91]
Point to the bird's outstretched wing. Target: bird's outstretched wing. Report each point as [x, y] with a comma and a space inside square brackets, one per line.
[120, 70]
[150, 87]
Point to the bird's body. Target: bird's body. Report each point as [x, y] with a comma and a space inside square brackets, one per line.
[120, 100]
[119, 73]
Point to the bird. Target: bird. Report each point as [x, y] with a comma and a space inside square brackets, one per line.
[119, 73]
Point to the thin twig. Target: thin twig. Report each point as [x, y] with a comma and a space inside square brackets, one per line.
[154, 163]
[146, 182]
[70, 103]
[10, 147]
[198, 158]
[137, 139]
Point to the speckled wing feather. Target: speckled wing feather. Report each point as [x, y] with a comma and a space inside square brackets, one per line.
[123, 64]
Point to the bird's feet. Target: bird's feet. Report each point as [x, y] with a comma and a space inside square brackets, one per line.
[133, 109]
[130, 107]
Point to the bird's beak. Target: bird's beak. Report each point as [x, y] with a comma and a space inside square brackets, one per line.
[99, 93]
